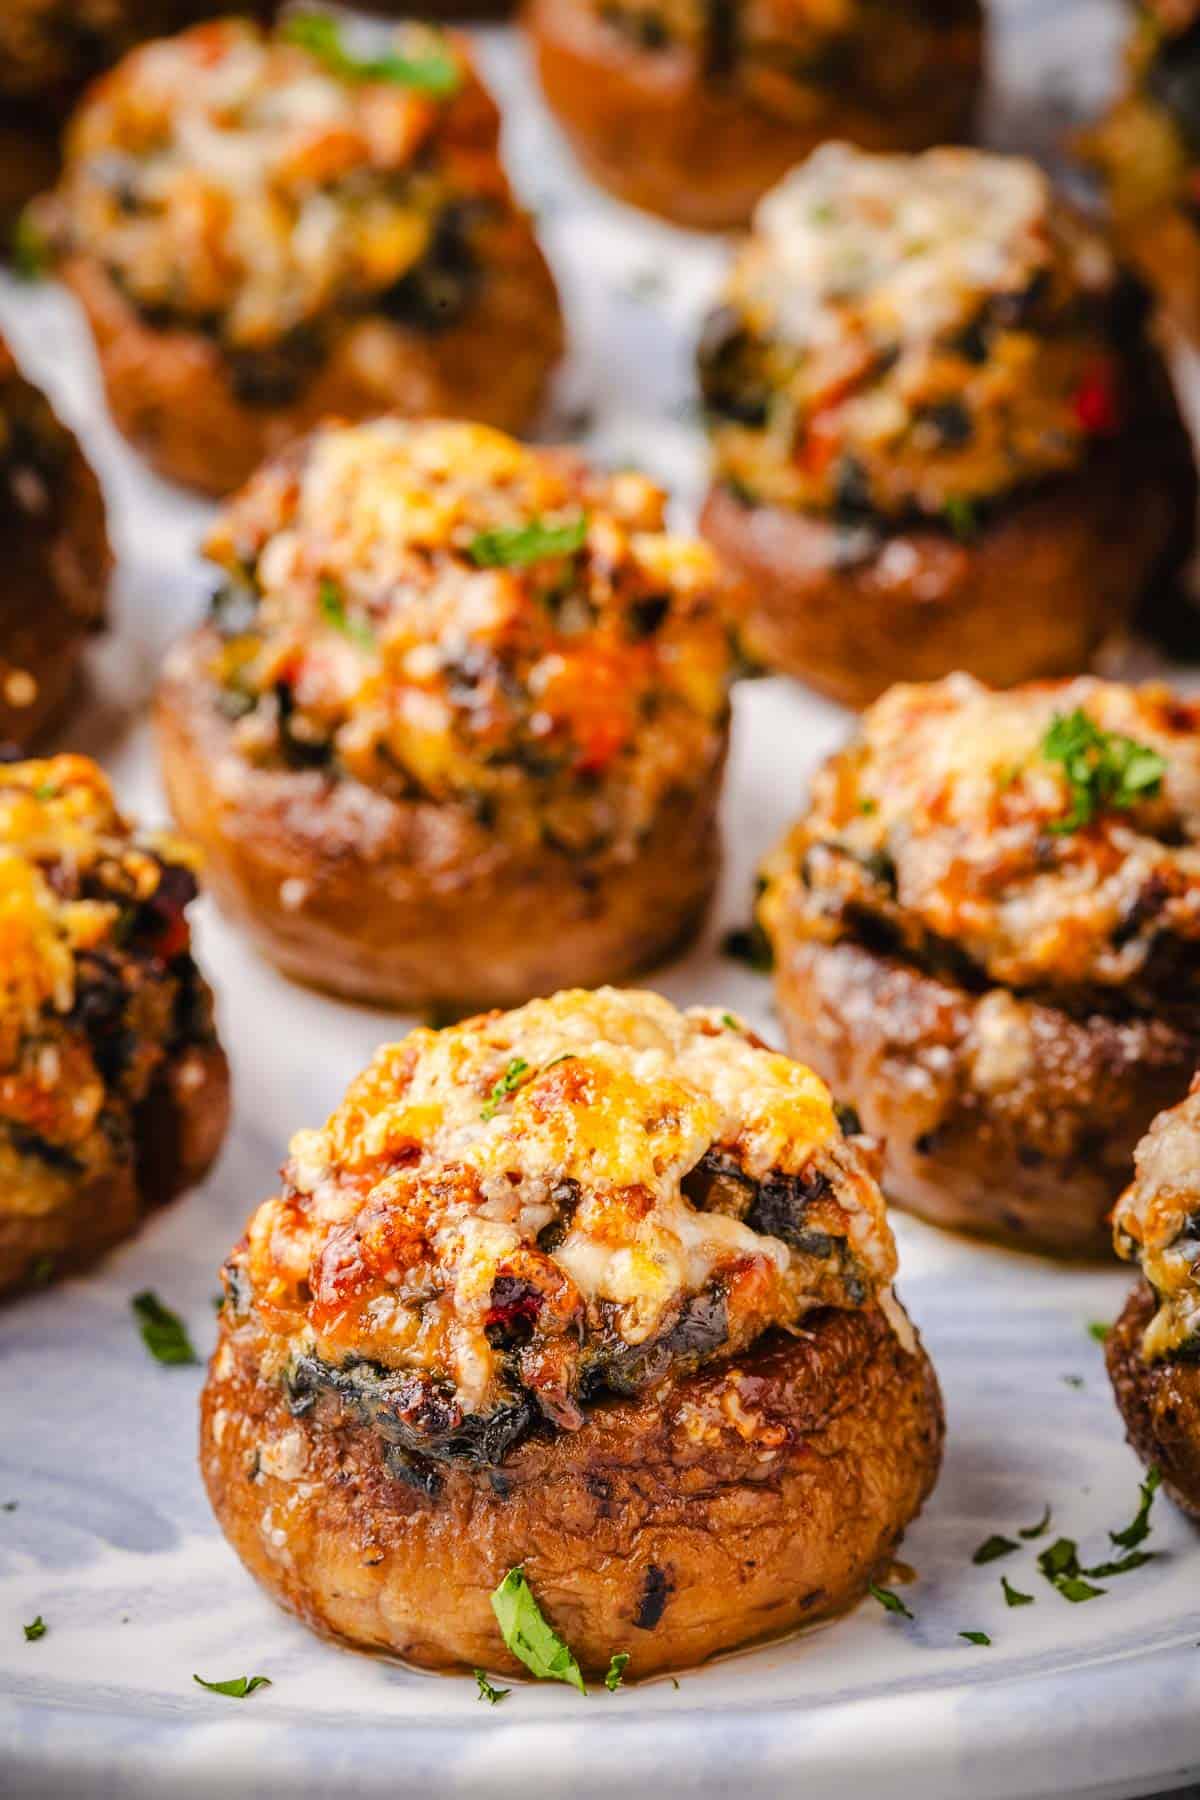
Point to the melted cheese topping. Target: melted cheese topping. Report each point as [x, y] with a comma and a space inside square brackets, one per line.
[910, 333]
[236, 182]
[577, 687]
[941, 820]
[542, 1165]
[1157, 1223]
[92, 944]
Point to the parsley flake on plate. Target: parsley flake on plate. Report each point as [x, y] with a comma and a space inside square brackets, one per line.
[515, 546]
[993, 1548]
[1060, 1565]
[493, 1695]
[975, 1637]
[616, 1670]
[529, 1637]
[163, 1332]
[1043, 1524]
[1013, 1595]
[1103, 768]
[889, 1601]
[35, 1631]
[1138, 1528]
[1098, 1330]
[435, 72]
[238, 1688]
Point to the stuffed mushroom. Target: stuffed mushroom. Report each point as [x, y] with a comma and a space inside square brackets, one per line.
[455, 731]
[266, 229]
[114, 1093]
[693, 110]
[595, 1289]
[1148, 150]
[57, 559]
[940, 436]
[1153, 1350]
[986, 931]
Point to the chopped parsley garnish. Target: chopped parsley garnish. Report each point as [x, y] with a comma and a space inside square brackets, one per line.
[1061, 1558]
[508, 1083]
[163, 1332]
[31, 254]
[730, 1023]
[1060, 1565]
[975, 1637]
[1103, 769]
[616, 1670]
[1074, 1381]
[1075, 1589]
[333, 611]
[493, 1695]
[514, 546]
[435, 72]
[889, 1601]
[238, 1688]
[993, 1548]
[1013, 1595]
[1123, 1565]
[1138, 1529]
[35, 1631]
[9, 1505]
[961, 517]
[1036, 1531]
[529, 1637]
[1098, 1331]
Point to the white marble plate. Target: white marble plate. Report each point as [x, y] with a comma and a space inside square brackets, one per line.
[111, 1540]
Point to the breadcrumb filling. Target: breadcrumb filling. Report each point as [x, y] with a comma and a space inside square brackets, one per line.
[946, 834]
[512, 1216]
[440, 613]
[912, 337]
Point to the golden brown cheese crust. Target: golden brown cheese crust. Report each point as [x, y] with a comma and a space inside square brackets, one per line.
[264, 234]
[511, 1216]
[1157, 1224]
[942, 827]
[237, 181]
[57, 557]
[101, 1009]
[911, 336]
[372, 626]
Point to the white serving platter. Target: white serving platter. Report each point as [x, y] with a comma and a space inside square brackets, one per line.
[111, 1540]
